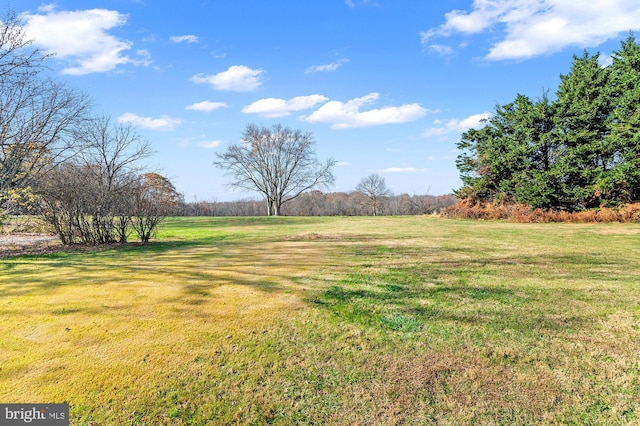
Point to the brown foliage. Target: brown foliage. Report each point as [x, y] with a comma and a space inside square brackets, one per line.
[468, 209]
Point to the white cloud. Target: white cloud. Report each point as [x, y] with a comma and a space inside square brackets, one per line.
[81, 38]
[274, 107]
[326, 67]
[344, 115]
[238, 78]
[144, 58]
[435, 131]
[352, 4]
[441, 49]
[210, 144]
[404, 170]
[533, 28]
[164, 123]
[474, 121]
[188, 38]
[605, 60]
[206, 106]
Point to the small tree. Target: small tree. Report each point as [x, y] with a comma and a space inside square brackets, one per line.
[375, 189]
[152, 200]
[279, 163]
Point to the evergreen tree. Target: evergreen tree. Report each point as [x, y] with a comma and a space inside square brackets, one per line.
[582, 125]
[536, 185]
[623, 183]
[508, 159]
[579, 151]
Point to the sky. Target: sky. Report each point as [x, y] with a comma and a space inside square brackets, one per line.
[384, 86]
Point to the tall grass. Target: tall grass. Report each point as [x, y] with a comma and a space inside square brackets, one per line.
[404, 320]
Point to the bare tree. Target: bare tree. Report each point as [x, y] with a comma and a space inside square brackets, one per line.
[87, 198]
[114, 153]
[116, 150]
[375, 189]
[279, 163]
[38, 116]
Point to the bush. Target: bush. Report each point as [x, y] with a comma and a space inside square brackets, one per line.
[467, 209]
[630, 213]
[608, 215]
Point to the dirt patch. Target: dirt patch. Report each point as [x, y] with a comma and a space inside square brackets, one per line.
[20, 244]
[314, 236]
[340, 236]
[28, 244]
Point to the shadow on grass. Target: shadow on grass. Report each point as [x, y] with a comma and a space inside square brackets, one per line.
[197, 266]
[229, 223]
[394, 287]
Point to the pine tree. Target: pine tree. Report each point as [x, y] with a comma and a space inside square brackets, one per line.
[536, 186]
[509, 159]
[582, 122]
[623, 183]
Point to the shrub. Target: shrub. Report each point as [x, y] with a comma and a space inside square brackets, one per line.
[630, 213]
[607, 215]
[466, 209]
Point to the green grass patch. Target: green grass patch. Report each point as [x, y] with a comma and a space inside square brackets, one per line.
[387, 320]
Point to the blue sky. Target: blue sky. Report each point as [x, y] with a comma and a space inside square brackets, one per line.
[385, 86]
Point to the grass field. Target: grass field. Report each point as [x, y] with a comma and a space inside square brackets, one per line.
[389, 320]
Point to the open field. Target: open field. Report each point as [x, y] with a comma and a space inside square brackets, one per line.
[290, 320]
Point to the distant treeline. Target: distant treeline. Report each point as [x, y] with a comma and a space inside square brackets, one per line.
[316, 203]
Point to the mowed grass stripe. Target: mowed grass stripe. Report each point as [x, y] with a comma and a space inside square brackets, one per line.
[389, 320]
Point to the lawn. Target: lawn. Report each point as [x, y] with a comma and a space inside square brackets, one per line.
[388, 320]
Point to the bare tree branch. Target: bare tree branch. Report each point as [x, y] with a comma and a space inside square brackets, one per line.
[38, 116]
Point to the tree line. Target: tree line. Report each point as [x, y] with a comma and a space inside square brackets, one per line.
[317, 203]
[577, 151]
[79, 171]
